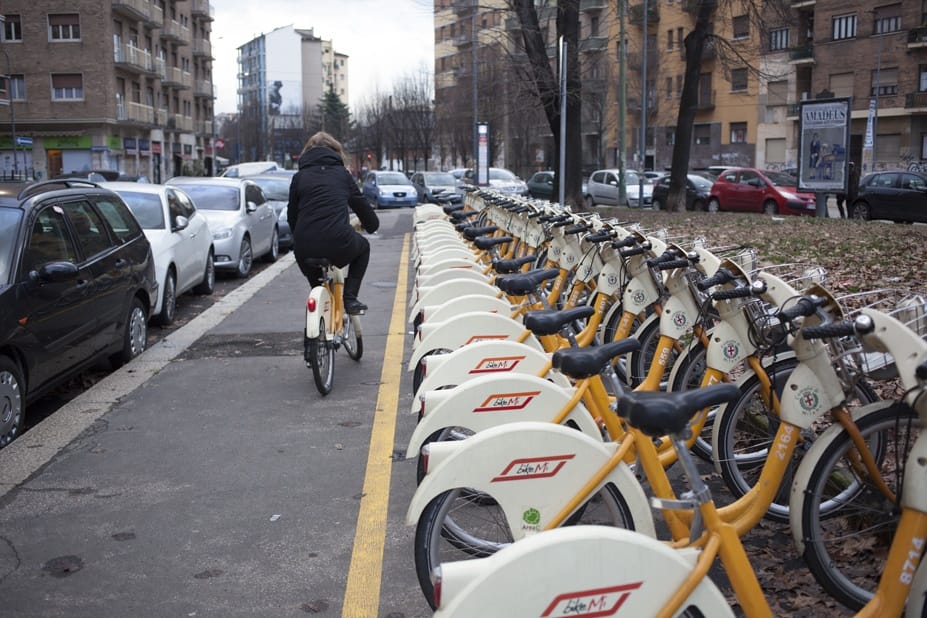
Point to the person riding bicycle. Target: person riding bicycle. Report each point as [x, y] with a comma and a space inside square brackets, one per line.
[320, 194]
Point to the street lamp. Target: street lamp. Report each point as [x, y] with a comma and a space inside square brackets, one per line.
[9, 82]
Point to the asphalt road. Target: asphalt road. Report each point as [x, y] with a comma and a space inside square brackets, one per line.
[209, 478]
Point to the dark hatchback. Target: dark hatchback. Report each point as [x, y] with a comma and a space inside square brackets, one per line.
[77, 282]
[896, 196]
[698, 189]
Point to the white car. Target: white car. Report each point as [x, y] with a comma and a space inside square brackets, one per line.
[250, 168]
[602, 189]
[243, 223]
[181, 243]
[500, 179]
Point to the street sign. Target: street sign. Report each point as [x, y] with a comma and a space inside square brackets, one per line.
[220, 143]
[23, 141]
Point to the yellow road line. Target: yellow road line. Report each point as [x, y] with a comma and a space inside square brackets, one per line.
[362, 594]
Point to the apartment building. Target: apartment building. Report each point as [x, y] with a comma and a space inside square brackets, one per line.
[108, 84]
[282, 76]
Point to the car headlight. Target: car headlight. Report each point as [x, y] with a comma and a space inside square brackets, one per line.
[282, 216]
[222, 234]
[789, 195]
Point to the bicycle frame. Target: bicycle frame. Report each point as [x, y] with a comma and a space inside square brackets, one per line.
[325, 302]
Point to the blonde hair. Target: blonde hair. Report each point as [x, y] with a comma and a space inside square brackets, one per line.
[323, 139]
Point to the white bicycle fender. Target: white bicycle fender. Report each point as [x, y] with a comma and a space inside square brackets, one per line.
[810, 459]
[455, 274]
[485, 358]
[575, 571]
[470, 302]
[455, 263]
[468, 328]
[528, 466]
[425, 213]
[443, 252]
[917, 595]
[323, 309]
[495, 400]
[450, 290]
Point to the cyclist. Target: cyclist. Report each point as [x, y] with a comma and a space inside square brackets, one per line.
[320, 193]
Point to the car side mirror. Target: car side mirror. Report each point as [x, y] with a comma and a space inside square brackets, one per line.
[613, 183]
[180, 223]
[251, 207]
[55, 272]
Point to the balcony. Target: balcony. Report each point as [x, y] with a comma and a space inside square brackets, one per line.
[202, 88]
[134, 112]
[593, 44]
[173, 31]
[592, 5]
[138, 10]
[202, 48]
[915, 100]
[706, 101]
[201, 8]
[792, 110]
[161, 116]
[177, 78]
[204, 127]
[803, 54]
[635, 61]
[156, 18]
[636, 14]
[130, 58]
[653, 105]
[917, 37]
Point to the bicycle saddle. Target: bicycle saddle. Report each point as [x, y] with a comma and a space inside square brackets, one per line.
[487, 242]
[659, 414]
[317, 262]
[450, 208]
[580, 363]
[549, 321]
[470, 233]
[511, 266]
[524, 283]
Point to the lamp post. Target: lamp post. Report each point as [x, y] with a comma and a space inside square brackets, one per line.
[9, 82]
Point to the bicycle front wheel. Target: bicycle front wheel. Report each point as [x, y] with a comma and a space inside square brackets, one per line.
[843, 520]
[461, 524]
[321, 358]
[350, 337]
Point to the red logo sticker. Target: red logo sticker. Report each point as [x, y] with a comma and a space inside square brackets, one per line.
[497, 363]
[476, 338]
[506, 401]
[533, 468]
[590, 603]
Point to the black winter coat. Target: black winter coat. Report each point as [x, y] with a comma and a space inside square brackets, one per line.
[320, 194]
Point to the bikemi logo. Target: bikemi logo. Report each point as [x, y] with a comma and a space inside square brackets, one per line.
[494, 364]
[527, 468]
[476, 338]
[506, 402]
[591, 603]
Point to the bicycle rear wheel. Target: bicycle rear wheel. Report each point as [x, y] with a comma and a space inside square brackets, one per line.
[352, 341]
[320, 356]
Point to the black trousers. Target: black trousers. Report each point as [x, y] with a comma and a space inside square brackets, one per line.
[355, 255]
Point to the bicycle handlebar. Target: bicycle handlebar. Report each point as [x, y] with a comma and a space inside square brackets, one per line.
[598, 237]
[722, 276]
[862, 325]
[671, 264]
[639, 250]
[805, 306]
[754, 289]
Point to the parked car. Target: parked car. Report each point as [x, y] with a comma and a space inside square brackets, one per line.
[249, 168]
[436, 187]
[752, 190]
[385, 189]
[276, 188]
[541, 185]
[460, 175]
[602, 189]
[242, 222]
[896, 196]
[91, 175]
[654, 176]
[181, 243]
[77, 283]
[698, 190]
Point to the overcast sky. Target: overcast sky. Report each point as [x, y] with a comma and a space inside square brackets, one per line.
[384, 39]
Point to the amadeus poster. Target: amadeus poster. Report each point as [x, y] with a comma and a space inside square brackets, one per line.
[824, 127]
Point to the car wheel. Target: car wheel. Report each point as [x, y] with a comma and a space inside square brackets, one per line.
[698, 206]
[168, 299]
[274, 253]
[714, 205]
[861, 211]
[12, 400]
[657, 204]
[770, 207]
[245, 258]
[134, 333]
[589, 202]
[208, 284]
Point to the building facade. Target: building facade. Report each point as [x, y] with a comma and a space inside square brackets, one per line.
[282, 76]
[120, 85]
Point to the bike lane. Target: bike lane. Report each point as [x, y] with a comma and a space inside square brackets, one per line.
[222, 483]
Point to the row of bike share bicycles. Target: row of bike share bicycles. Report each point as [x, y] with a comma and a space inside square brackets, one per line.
[569, 373]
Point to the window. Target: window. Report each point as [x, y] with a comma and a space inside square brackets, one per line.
[13, 88]
[884, 82]
[779, 39]
[12, 29]
[741, 27]
[922, 78]
[738, 79]
[669, 39]
[594, 26]
[89, 227]
[680, 37]
[738, 132]
[887, 19]
[120, 219]
[67, 86]
[844, 27]
[702, 134]
[669, 87]
[64, 27]
[670, 136]
[679, 85]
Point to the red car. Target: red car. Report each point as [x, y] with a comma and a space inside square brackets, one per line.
[751, 190]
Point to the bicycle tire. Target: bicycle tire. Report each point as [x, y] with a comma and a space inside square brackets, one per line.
[434, 544]
[419, 373]
[322, 361]
[688, 375]
[448, 433]
[745, 429]
[827, 514]
[639, 361]
[353, 343]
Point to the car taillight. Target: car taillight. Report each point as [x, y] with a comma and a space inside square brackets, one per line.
[310, 305]
[436, 585]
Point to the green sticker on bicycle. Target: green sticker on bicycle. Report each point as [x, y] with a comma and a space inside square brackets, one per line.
[532, 517]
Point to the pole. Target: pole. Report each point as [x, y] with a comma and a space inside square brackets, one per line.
[474, 60]
[622, 100]
[875, 117]
[9, 85]
[561, 184]
[642, 144]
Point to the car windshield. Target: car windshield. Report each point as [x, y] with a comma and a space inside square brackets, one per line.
[631, 178]
[392, 179]
[439, 179]
[782, 180]
[274, 189]
[501, 174]
[212, 197]
[9, 224]
[146, 207]
[700, 182]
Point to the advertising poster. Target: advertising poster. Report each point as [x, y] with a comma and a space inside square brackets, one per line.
[482, 174]
[824, 127]
[284, 83]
